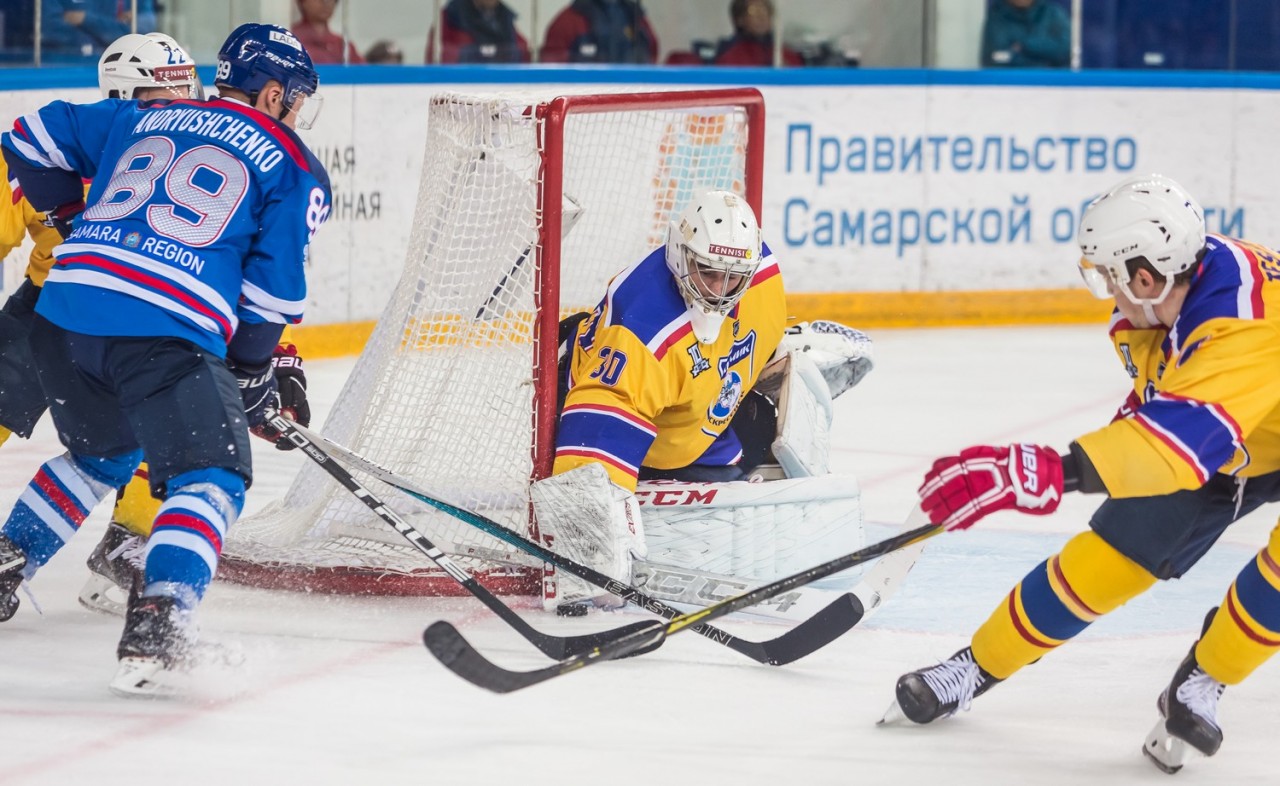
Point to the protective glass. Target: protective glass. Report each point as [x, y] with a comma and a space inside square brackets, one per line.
[1101, 281]
[305, 109]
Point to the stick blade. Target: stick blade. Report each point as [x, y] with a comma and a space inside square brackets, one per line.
[457, 654]
[829, 624]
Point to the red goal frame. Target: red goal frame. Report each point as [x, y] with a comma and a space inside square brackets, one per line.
[552, 116]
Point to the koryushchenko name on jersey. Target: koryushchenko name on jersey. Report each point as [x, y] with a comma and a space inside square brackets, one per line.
[256, 146]
[161, 249]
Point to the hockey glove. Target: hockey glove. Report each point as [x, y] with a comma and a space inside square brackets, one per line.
[260, 395]
[60, 217]
[961, 490]
[292, 384]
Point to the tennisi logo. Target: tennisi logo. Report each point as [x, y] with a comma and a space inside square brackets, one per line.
[730, 251]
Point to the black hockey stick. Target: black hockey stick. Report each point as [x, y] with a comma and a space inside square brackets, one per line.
[456, 653]
[814, 633]
[557, 647]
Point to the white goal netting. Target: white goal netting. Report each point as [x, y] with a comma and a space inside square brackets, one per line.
[445, 390]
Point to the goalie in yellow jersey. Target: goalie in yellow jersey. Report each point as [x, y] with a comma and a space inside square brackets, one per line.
[1197, 445]
[659, 384]
[144, 68]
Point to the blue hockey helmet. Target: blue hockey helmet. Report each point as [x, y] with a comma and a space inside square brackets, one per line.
[255, 54]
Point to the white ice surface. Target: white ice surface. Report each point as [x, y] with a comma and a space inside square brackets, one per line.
[341, 691]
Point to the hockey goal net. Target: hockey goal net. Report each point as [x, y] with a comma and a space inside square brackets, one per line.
[527, 206]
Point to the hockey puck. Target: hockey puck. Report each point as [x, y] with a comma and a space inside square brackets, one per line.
[572, 610]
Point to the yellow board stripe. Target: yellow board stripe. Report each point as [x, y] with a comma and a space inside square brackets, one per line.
[864, 310]
[951, 309]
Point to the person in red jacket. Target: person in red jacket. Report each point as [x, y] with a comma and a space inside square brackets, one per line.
[752, 42]
[600, 31]
[324, 45]
[478, 31]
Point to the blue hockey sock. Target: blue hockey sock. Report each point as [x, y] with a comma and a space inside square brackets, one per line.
[186, 541]
[51, 509]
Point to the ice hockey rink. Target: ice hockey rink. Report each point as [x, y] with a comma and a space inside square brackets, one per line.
[324, 690]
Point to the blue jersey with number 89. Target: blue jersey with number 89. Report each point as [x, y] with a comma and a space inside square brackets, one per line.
[198, 218]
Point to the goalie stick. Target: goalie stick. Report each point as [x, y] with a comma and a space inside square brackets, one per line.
[556, 647]
[835, 619]
[456, 653]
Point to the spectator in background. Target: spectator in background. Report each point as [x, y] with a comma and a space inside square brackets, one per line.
[600, 31]
[324, 45]
[1026, 33]
[752, 41]
[384, 52]
[478, 31]
[73, 29]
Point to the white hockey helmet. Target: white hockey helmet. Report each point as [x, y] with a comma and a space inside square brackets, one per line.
[713, 250]
[1147, 216]
[135, 61]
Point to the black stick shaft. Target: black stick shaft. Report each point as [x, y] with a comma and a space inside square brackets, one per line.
[812, 634]
[558, 647]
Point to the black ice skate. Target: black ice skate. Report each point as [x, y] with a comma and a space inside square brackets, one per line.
[1188, 717]
[156, 639]
[941, 691]
[12, 561]
[116, 564]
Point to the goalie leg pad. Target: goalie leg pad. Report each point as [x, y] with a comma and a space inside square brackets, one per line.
[754, 532]
[584, 516]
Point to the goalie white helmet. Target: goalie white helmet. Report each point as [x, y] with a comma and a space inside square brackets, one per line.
[1148, 216]
[713, 250]
[136, 62]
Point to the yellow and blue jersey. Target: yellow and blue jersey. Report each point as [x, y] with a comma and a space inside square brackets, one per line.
[19, 219]
[643, 391]
[1209, 384]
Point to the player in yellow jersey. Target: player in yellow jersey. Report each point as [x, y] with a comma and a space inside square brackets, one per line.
[1197, 329]
[656, 375]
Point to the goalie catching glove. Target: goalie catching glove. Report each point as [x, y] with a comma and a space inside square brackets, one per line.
[959, 491]
[584, 516]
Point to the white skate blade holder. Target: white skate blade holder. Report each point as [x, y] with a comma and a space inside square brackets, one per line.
[1166, 752]
[100, 594]
[143, 678]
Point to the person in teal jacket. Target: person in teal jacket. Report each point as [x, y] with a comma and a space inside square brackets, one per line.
[1026, 34]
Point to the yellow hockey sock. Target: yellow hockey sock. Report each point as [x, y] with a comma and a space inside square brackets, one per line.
[135, 508]
[1055, 601]
[1246, 629]
[4, 434]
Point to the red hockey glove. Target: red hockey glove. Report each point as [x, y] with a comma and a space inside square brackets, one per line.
[961, 490]
[1129, 407]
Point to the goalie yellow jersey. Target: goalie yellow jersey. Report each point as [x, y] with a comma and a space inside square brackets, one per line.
[643, 391]
[18, 219]
[1210, 383]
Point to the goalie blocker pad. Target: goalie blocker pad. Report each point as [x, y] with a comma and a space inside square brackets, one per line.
[755, 532]
[584, 516]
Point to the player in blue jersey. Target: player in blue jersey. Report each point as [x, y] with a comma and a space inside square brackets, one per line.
[156, 326]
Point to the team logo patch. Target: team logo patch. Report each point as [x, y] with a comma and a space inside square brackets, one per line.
[730, 251]
[727, 401]
[132, 239]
